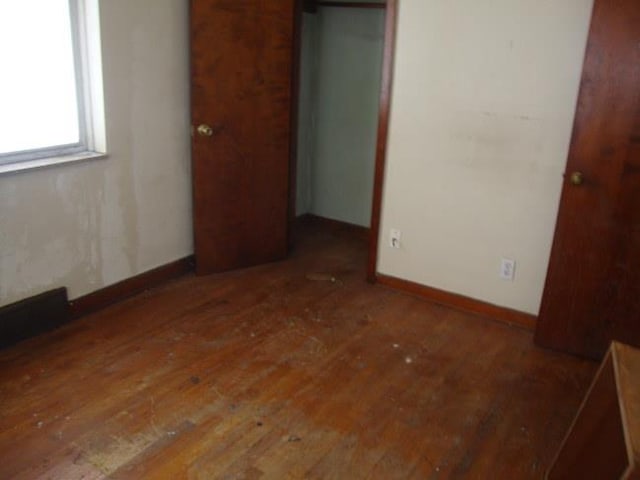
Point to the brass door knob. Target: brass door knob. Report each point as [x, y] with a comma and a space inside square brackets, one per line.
[205, 130]
[577, 178]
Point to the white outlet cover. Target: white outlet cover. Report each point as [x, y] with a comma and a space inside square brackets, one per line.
[394, 238]
[507, 269]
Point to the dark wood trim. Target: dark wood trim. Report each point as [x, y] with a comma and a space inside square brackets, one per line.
[131, 286]
[460, 302]
[296, 62]
[332, 224]
[351, 4]
[383, 132]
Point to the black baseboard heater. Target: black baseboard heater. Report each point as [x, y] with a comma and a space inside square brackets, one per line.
[33, 316]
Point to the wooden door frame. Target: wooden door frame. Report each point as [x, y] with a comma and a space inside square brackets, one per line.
[391, 10]
[383, 134]
[299, 7]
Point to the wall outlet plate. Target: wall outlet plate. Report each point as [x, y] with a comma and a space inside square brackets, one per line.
[394, 238]
[507, 269]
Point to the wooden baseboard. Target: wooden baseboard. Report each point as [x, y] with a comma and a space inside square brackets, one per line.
[127, 288]
[460, 302]
[33, 316]
[364, 232]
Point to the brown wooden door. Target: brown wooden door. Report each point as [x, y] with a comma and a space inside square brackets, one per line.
[592, 294]
[241, 67]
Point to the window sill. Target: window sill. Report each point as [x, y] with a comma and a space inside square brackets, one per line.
[49, 161]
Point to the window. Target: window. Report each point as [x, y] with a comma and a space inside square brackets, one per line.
[51, 79]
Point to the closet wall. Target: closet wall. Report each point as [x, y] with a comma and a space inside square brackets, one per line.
[306, 114]
[340, 87]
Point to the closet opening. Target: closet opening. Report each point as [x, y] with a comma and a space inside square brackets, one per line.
[343, 83]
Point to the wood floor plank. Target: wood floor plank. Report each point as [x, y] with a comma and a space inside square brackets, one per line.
[297, 369]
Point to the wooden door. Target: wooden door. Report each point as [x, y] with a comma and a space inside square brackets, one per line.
[592, 294]
[241, 99]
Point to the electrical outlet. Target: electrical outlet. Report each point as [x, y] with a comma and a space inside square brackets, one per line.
[507, 269]
[394, 238]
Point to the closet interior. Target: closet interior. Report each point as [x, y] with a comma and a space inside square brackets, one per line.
[341, 53]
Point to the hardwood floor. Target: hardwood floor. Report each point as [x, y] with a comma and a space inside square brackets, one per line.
[298, 369]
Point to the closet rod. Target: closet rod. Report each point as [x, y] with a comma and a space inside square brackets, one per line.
[351, 4]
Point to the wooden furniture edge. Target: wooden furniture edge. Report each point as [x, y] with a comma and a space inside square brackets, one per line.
[460, 302]
[615, 359]
[129, 287]
[585, 399]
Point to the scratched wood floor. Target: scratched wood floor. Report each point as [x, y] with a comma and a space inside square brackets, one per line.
[279, 372]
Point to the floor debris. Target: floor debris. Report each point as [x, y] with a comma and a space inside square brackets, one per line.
[322, 277]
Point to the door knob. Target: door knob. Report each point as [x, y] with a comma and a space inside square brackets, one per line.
[577, 178]
[205, 130]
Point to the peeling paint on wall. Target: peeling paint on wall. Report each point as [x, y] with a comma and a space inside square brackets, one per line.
[88, 225]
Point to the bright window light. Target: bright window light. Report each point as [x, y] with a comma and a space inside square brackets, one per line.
[41, 104]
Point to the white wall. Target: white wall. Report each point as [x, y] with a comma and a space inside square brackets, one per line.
[482, 107]
[349, 56]
[89, 225]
